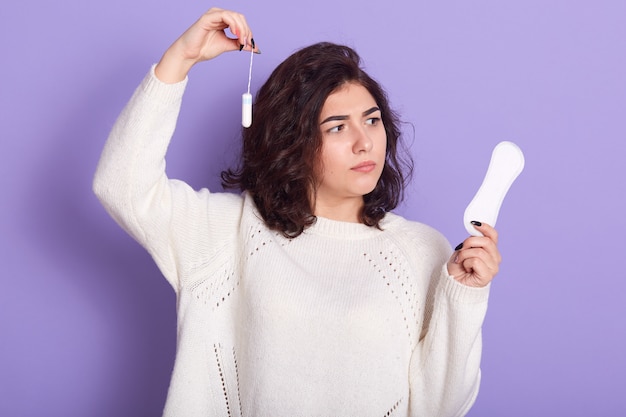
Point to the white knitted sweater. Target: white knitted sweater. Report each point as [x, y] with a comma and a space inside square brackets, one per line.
[344, 320]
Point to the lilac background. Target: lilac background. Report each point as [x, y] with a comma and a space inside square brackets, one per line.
[87, 324]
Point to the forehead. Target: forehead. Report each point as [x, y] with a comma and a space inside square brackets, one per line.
[350, 97]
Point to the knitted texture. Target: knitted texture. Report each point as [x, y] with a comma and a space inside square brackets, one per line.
[344, 320]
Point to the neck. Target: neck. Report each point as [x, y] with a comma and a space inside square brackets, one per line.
[346, 210]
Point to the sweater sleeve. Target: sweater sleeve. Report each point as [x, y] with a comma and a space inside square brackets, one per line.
[132, 185]
[445, 365]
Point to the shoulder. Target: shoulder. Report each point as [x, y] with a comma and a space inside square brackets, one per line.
[223, 209]
[414, 230]
[224, 200]
[418, 234]
[231, 210]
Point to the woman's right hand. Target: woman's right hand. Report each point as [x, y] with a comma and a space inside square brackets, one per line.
[204, 40]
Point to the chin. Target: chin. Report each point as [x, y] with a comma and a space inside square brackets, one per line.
[366, 190]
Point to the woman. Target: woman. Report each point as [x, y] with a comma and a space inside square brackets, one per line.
[304, 295]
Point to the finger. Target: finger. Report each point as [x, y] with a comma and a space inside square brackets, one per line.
[489, 241]
[492, 234]
[480, 255]
[486, 250]
[239, 27]
[486, 230]
[251, 46]
[217, 20]
[213, 19]
[479, 268]
[484, 243]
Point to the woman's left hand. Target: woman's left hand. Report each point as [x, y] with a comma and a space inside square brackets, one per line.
[476, 261]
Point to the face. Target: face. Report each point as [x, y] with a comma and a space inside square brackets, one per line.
[353, 147]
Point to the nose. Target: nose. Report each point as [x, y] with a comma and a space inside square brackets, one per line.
[362, 141]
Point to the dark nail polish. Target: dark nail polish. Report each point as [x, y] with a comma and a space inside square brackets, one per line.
[458, 247]
[476, 223]
[240, 47]
[252, 40]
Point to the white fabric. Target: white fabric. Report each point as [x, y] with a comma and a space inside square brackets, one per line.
[344, 320]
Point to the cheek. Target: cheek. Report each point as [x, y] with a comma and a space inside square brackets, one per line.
[381, 146]
[383, 139]
[325, 168]
[321, 166]
[328, 160]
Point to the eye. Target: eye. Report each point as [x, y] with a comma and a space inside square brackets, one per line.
[336, 129]
[374, 121]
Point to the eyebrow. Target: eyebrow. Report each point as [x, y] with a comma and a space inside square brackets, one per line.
[335, 118]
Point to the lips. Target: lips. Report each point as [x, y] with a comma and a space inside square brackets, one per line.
[366, 166]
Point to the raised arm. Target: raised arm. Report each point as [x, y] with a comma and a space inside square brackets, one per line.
[164, 215]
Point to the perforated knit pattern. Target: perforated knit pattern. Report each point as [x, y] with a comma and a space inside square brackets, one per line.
[393, 409]
[215, 292]
[258, 240]
[250, 293]
[229, 397]
[220, 369]
[397, 279]
[237, 380]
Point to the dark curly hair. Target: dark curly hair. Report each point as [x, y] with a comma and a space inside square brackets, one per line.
[281, 149]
